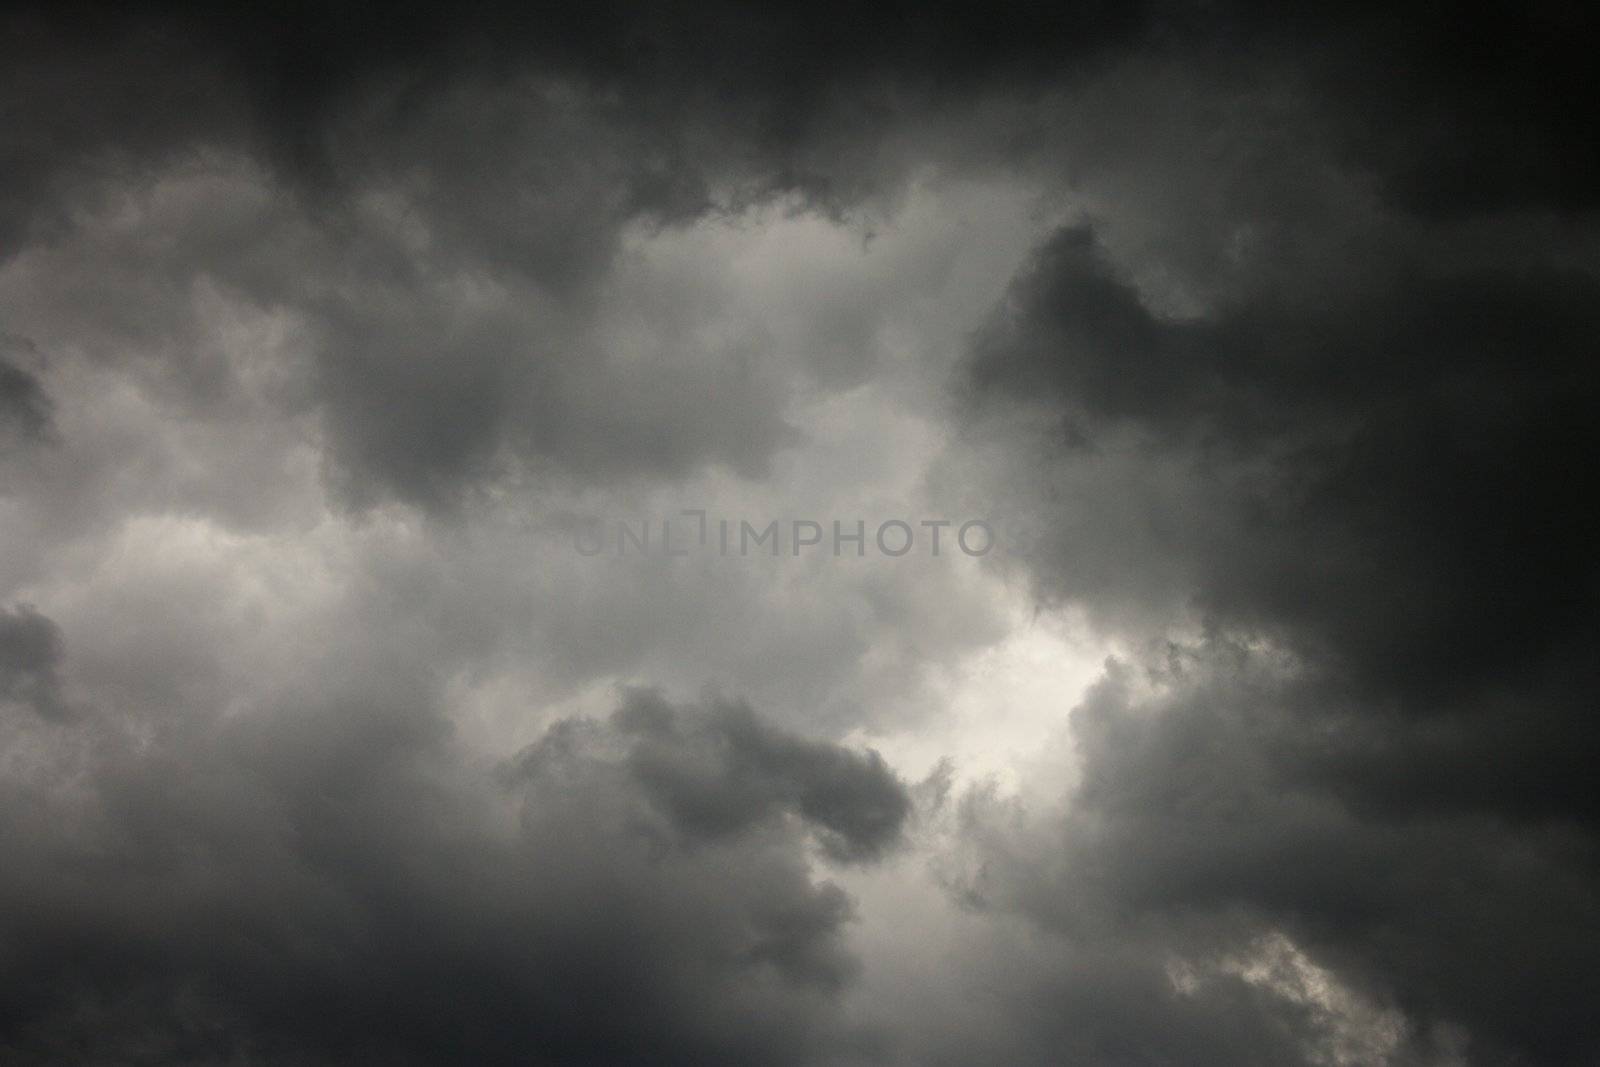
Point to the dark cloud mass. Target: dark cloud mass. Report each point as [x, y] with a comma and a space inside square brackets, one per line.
[30, 646]
[1387, 455]
[1355, 475]
[336, 885]
[1265, 737]
[24, 404]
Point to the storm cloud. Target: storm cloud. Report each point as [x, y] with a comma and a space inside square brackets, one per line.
[338, 885]
[1262, 336]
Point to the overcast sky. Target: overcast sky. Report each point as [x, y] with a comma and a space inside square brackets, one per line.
[432, 440]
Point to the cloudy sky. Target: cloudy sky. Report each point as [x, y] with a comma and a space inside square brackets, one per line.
[391, 399]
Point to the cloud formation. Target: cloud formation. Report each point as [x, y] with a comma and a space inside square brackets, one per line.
[336, 884]
[1334, 509]
[1262, 334]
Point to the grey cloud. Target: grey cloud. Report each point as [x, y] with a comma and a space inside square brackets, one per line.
[1352, 473]
[24, 407]
[1375, 475]
[1200, 826]
[447, 342]
[429, 373]
[30, 653]
[26, 410]
[1315, 389]
[513, 153]
[722, 775]
[334, 883]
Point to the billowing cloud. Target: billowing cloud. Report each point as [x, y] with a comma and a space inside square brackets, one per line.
[30, 649]
[1333, 512]
[337, 884]
[1262, 337]
[25, 407]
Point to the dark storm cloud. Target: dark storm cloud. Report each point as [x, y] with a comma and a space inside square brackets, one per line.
[385, 236]
[730, 771]
[1457, 111]
[1360, 475]
[25, 407]
[1357, 467]
[1415, 427]
[283, 70]
[515, 147]
[504, 152]
[30, 649]
[1384, 462]
[706, 89]
[336, 884]
[1202, 822]
[432, 198]
[1465, 108]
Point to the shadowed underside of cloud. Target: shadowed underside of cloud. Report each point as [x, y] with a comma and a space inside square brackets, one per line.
[1382, 478]
[1414, 427]
[1460, 111]
[1207, 829]
[1333, 807]
[334, 886]
[1359, 483]
[30, 652]
[25, 406]
[432, 151]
